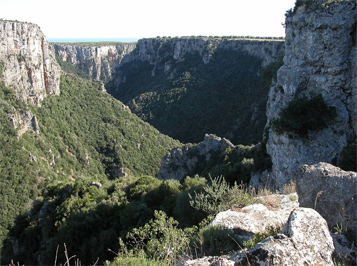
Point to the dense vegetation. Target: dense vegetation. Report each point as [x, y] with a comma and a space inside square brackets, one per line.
[84, 133]
[303, 115]
[222, 97]
[127, 217]
[50, 183]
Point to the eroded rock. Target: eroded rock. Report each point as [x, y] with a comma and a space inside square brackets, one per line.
[256, 218]
[331, 191]
[304, 240]
[179, 163]
[28, 65]
[320, 58]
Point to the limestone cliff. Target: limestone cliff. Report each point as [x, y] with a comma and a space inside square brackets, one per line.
[163, 53]
[28, 65]
[97, 62]
[178, 84]
[320, 58]
[179, 163]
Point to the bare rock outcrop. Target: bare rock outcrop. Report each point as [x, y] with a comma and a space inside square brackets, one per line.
[28, 65]
[331, 191]
[23, 121]
[98, 62]
[345, 251]
[179, 163]
[320, 58]
[274, 211]
[304, 240]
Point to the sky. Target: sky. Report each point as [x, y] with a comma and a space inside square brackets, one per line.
[150, 18]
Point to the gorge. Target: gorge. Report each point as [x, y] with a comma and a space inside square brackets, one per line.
[81, 172]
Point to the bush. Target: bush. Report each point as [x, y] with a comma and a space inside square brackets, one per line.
[258, 237]
[159, 239]
[220, 196]
[135, 261]
[303, 115]
[214, 241]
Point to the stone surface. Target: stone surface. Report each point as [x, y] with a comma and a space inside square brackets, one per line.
[274, 211]
[331, 191]
[155, 51]
[345, 251]
[28, 65]
[320, 58]
[304, 240]
[97, 62]
[207, 261]
[179, 163]
[23, 121]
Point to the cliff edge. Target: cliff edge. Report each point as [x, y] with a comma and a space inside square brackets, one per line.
[28, 65]
[320, 59]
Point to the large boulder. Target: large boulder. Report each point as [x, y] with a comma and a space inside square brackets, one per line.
[331, 191]
[273, 212]
[304, 240]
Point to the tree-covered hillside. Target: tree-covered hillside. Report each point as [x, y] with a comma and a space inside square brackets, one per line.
[188, 98]
[84, 134]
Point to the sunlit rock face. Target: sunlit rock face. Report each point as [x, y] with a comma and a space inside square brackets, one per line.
[320, 58]
[27, 64]
[96, 62]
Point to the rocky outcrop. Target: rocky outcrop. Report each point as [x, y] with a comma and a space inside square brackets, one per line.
[304, 240]
[28, 65]
[23, 121]
[179, 163]
[273, 212]
[97, 62]
[332, 192]
[320, 58]
[163, 53]
[345, 251]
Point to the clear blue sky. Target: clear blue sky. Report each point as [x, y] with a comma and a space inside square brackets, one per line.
[149, 18]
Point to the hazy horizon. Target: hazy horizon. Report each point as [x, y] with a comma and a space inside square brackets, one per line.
[147, 19]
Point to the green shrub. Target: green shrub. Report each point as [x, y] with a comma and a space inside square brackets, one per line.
[214, 241]
[135, 261]
[303, 115]
[220, 196]
[159, 239]
[258, 237]
[183, 206]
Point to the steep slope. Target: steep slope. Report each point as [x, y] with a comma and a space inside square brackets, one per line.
[27, 62]
[319, 67]
[81, 133]
[187, 87]
[178, 84]
[96, 61]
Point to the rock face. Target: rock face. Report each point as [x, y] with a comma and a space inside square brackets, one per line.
[331, 191]
[28, 65]
[163, 53]
[274, 211]
[178, 84]
[97, 62]
[304, 240]
[179, 163]
[320, 58]
[23, 121]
